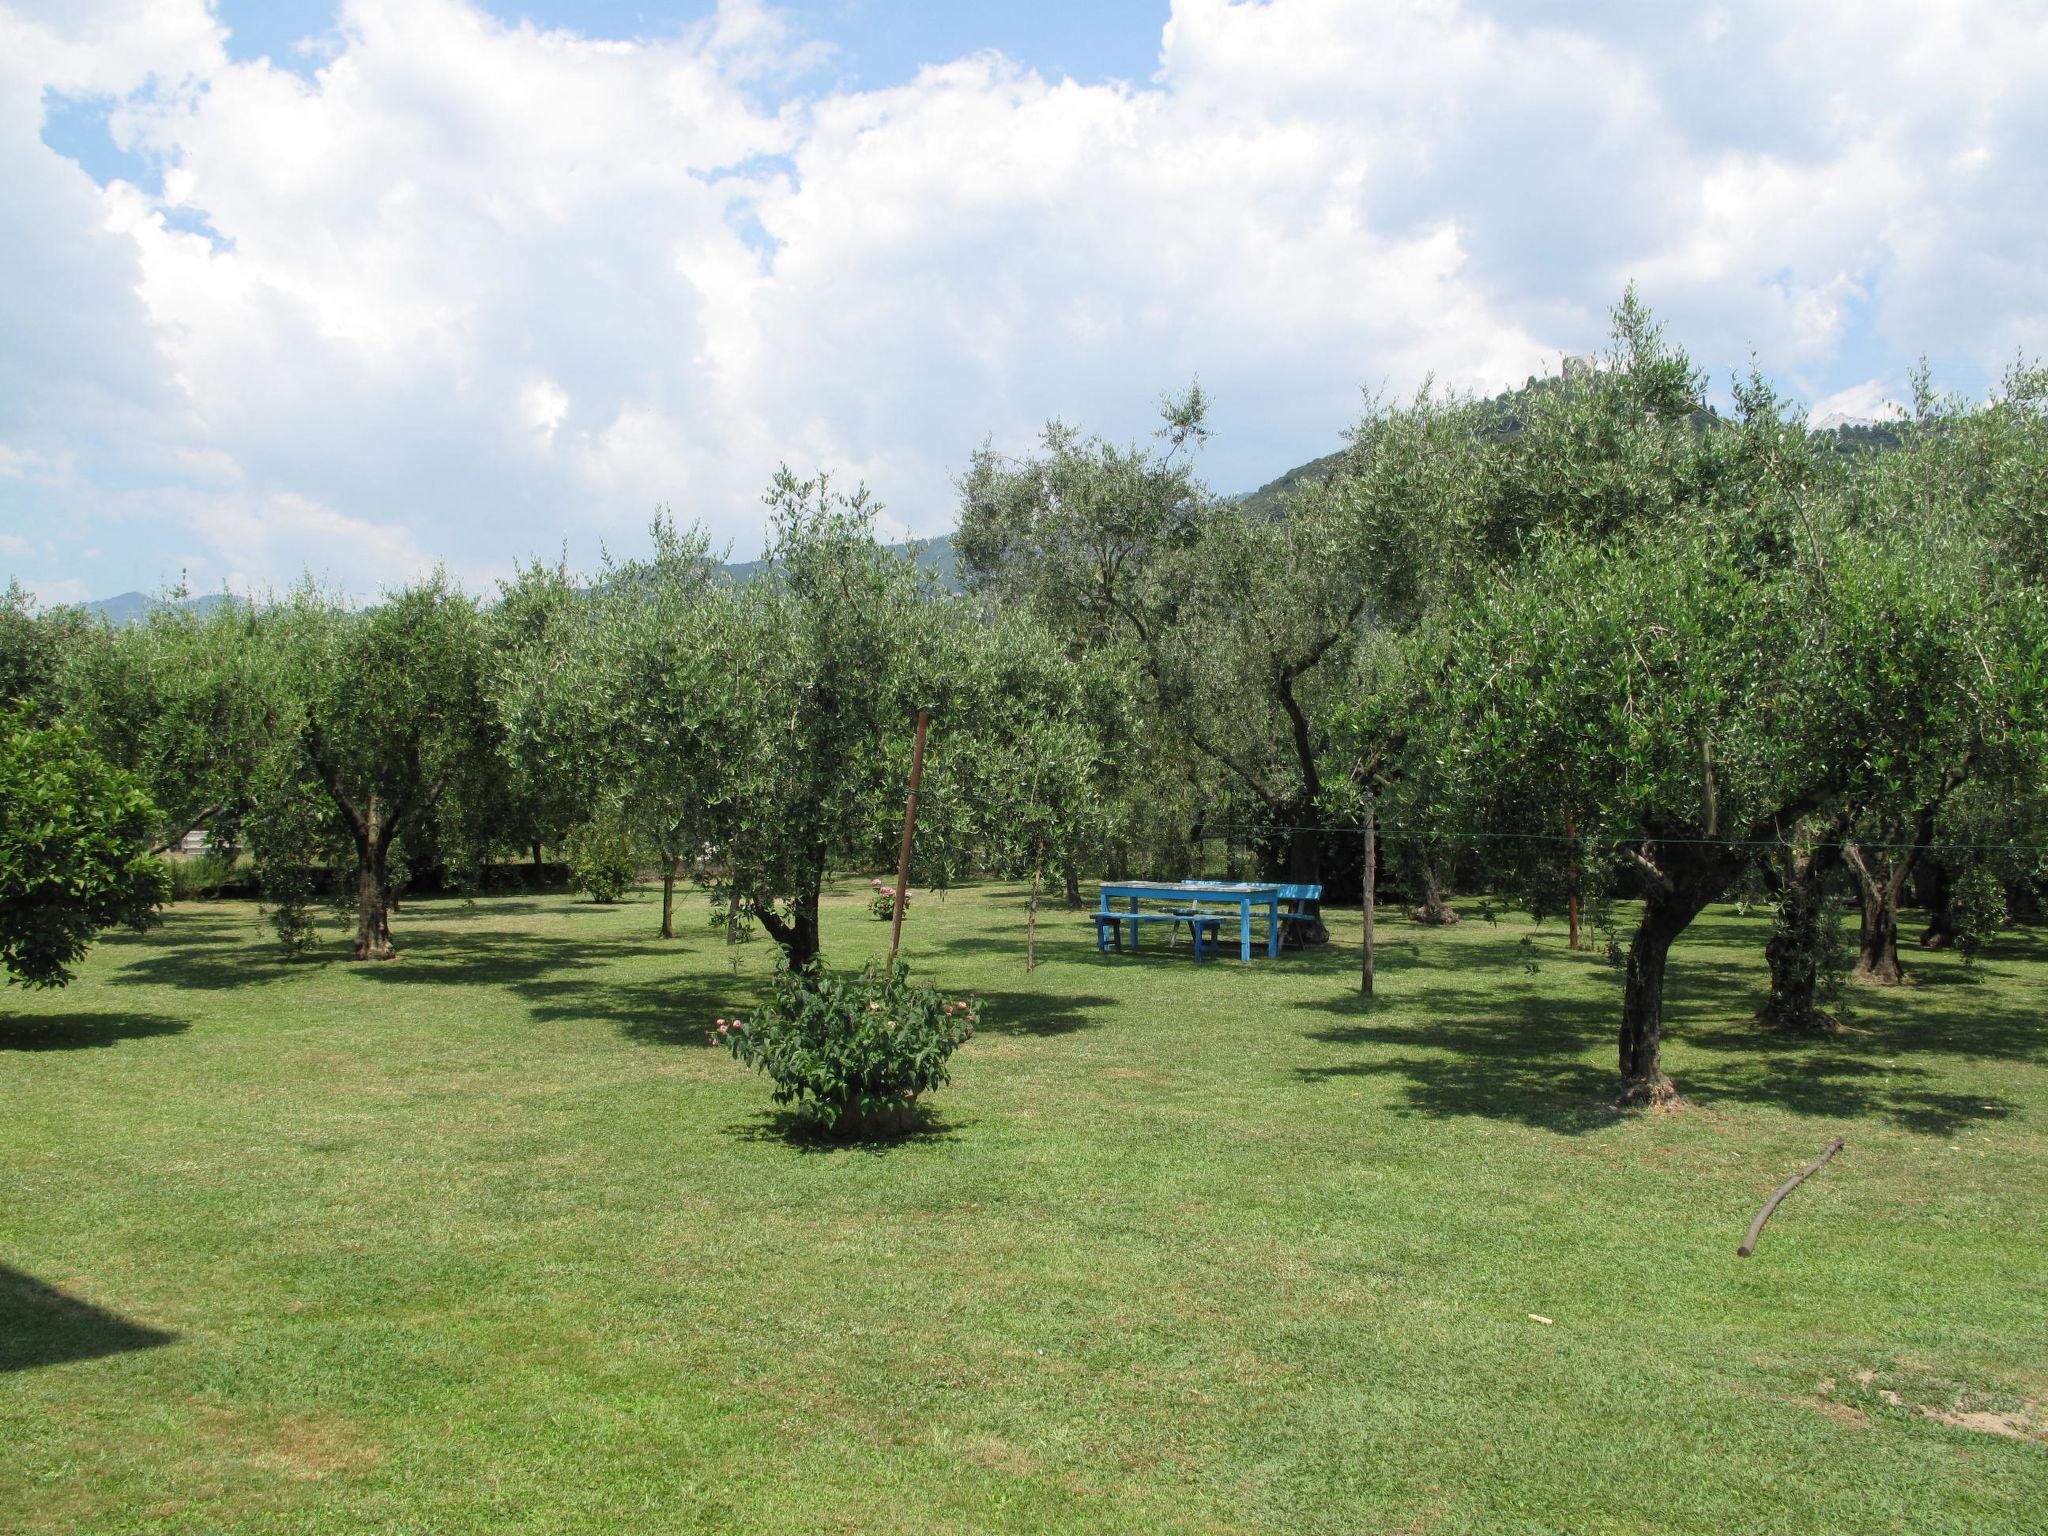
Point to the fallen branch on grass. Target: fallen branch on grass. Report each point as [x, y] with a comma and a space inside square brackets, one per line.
[1749, 1243]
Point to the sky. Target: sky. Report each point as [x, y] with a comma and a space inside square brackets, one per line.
[358, 289]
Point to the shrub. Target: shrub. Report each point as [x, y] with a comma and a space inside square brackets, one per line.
[72, 831]
[601, 863]
[851, 1053]
[198, 876]
[882, 899]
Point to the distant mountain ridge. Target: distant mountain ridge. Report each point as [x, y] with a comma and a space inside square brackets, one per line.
[123, 609]
[1848, 434]
[133, 607]
[1844, 434]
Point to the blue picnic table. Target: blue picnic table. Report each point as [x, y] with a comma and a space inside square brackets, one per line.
[1187, 899]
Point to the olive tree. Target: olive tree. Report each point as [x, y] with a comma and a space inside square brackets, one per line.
[1239, 624]
[635, 701]
[380, 730]
[841, 648]
[1688, 705]
[536, 803]
[1020, 786]
[182, 701]
[1958, 498]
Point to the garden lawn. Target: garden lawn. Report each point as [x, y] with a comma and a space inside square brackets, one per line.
[490, 1239]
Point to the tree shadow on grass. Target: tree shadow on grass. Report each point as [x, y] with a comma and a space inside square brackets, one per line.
[219, 973]
[83, 1031]
[663, 1010]
[1823, 1085]
[491, 959]
[1517, 1059]
[787, 1128]
[1532, 1058]
[1037, 1013]
[40, 1325]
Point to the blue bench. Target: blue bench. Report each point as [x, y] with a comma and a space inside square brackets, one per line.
[1201, 925]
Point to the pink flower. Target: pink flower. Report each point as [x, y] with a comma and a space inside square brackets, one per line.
[722, 1026]
[721, 1023]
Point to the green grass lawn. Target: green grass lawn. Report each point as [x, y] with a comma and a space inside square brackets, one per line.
[489, 1239]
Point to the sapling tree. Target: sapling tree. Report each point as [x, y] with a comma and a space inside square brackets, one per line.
[837, 659]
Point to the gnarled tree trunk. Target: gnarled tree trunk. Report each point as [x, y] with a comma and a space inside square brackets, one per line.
[668, 898]
[1666, 912]
[1794, 952]
[1881, 876]
[1305, 867]
[373, 835]
[1936, 888]
[1877, 956]
[1685, 876]
[1434, 909]
[797, 933]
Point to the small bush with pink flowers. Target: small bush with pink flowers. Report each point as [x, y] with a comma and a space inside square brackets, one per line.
[852, 1053]
[882, 899]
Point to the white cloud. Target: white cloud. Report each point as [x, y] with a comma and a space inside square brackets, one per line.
[58, 593]
[471, 288]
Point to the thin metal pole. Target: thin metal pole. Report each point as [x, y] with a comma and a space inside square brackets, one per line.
[1570, 836]
[1371, 892]
[909, 824]
[1031, 925]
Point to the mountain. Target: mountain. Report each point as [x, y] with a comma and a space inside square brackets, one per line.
[133, 607]
[935, 555]
[1271, 499]
[1839, 433]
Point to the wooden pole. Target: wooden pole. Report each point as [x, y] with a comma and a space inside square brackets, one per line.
[1572, 887]
[1749, 1243]
[909, 824]
[1371, 895]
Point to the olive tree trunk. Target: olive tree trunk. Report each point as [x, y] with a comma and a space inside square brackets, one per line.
[373, 887]
[1684, 878]
[797, 932]
[1881, 876]
[1305, 867]
[1434, 910]
[1665, 916]
[1937, 887]
[1797, 950]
